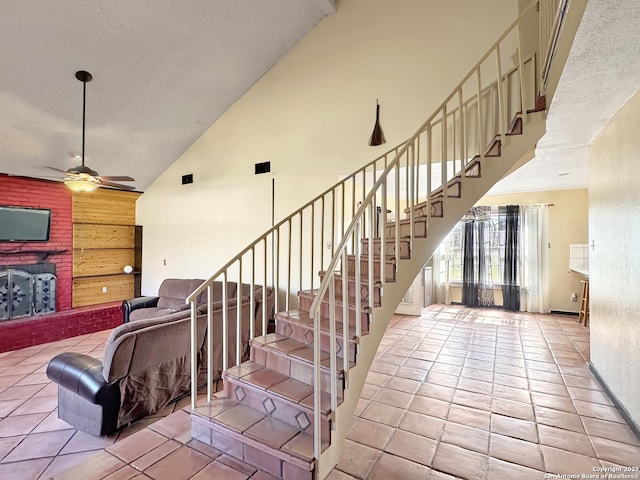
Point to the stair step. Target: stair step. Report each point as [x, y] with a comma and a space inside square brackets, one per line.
[515, 127]
[255, 438]
[305, 299]
[351, 287]
[287, 400]
[285, 388]
[541, 104]
[390, 266]
[290, 358]
[495, 148]
[454, 189]
[297, 324]
[419, 228]
[420, 210]
[473, 169]
[390, 247]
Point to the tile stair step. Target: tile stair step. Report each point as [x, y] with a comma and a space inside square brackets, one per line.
[541, 104]
[419, 227]
[390, 247]
[297, 324]
[453, 190]
[390, 266]
[351, 287]
[421, 209]
[287, 400]
[495, 148]
[255, 438]
[305, 299]
[293, 359]
[515, 127]
[472, 170]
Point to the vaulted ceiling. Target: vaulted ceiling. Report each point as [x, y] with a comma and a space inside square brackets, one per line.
[163, 72]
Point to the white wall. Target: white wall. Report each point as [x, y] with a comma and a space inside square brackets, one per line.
[614, 263]
[311, 115]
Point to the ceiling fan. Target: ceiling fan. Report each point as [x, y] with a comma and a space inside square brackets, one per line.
[83, 178]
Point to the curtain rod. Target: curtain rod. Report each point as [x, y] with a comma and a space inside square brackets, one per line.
[524, 204]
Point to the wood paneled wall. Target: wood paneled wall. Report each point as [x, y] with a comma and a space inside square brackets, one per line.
[103, 243]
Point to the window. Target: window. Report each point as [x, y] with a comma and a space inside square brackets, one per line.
[492, 224]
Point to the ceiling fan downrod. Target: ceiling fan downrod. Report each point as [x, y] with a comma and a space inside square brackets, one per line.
[84, 77]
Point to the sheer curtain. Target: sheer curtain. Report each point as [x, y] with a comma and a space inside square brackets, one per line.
[534, 259]
[442, 292]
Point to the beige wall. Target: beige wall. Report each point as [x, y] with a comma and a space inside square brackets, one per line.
[311, 115]
[614, 227]
[568, 223]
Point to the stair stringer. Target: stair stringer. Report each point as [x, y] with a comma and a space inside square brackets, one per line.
[517, 149]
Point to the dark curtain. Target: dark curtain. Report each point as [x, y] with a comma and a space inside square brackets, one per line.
[477, 284]
[510, 288]
[469, 286]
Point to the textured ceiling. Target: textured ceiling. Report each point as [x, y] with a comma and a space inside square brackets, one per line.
[601, 75]
[163, 71]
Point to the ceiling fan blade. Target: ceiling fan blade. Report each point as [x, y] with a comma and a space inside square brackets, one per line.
[115, 185]
[56, 169]
[117, 178]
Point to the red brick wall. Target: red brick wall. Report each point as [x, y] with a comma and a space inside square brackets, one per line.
[25, 332]
[27, 192]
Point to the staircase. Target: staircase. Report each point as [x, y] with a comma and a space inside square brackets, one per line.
[341, 263]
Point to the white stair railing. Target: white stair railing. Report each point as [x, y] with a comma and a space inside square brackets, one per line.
[331, 232]
[552, 14]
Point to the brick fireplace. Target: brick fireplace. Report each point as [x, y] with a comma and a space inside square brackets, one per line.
[44, 261]
[58, 251]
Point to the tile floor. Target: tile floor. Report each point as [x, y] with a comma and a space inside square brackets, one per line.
[457, 393]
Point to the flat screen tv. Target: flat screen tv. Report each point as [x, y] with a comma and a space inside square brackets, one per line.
[24, 224]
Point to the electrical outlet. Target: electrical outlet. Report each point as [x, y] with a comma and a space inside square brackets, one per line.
[104, 289]
[574, 297]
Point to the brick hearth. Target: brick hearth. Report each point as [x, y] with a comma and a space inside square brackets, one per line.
[25, 332]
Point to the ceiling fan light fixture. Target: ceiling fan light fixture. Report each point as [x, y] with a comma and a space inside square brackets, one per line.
[81, 185]
[83, 171]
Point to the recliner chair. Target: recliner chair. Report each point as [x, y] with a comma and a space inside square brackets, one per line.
[171, 298]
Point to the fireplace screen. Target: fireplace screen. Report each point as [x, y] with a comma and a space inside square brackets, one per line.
[23, 294]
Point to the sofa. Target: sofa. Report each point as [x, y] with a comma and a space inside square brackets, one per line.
[147, 362]
[171, 298]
